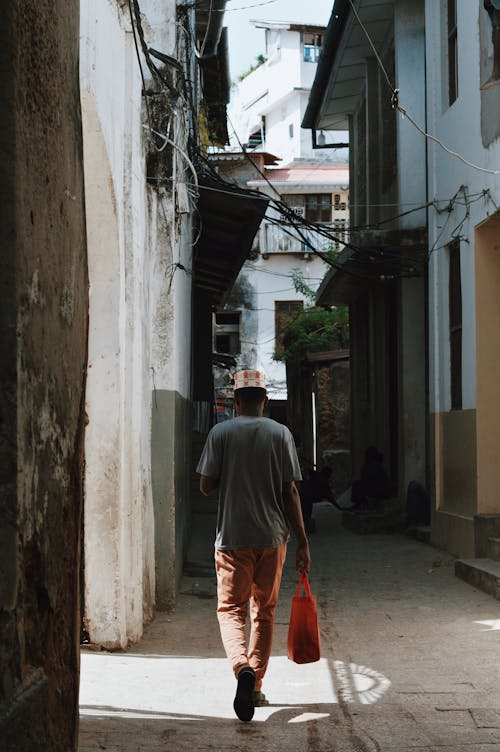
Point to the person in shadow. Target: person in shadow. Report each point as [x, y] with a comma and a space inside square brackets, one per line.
[374, 484]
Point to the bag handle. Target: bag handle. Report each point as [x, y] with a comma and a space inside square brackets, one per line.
[303, 580]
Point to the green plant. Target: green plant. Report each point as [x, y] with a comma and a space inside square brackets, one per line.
[315, 329]
[259, 60]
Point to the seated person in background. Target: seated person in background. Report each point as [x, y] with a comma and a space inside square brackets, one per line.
[374, 484]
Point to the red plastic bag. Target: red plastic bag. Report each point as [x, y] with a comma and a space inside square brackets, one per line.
[303, 632]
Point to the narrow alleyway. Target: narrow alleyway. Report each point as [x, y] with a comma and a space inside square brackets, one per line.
[410, 662]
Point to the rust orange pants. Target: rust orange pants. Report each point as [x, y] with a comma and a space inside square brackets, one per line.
[248, 575]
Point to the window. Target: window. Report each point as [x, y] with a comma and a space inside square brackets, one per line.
[227, 332]
[319, 207]
[285, 312]
[452, 52]
[455, 307]
[340, 231]
[258, 136]
[312, 47]
[290, 130]
[492, 7]
[338, 204]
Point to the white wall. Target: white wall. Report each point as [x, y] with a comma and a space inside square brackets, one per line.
[459, 127]
[139, 340]
[274, 90]
[271, 280]
[409, 33]
[279, 90]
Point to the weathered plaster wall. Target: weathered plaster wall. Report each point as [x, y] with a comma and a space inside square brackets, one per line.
[139, 347]
[42, 374]
[171, 418]
[119, 543]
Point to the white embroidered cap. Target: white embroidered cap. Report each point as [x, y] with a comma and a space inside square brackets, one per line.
[243, 379]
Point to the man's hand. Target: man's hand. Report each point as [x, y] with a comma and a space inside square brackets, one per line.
[293, 511]
[303, 557]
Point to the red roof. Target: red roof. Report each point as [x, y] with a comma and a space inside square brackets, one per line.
[311, 174]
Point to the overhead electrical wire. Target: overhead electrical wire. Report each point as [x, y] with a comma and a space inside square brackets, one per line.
[404, 112]
[225, 10]
[290, 223]
[298, 223]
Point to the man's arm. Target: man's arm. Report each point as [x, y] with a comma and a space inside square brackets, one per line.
[293, 511]
[208, 485]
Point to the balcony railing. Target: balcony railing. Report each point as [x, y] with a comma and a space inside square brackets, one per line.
[284, 239]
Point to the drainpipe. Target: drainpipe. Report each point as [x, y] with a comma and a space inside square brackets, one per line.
[213, 31]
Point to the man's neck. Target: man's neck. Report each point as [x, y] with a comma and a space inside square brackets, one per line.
[249, 413]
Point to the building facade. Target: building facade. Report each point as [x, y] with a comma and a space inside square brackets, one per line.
[381, 274]
[464, 278]
[113, 257]
[43, 312]
[139, 227]
[279, 161]
[424, 134]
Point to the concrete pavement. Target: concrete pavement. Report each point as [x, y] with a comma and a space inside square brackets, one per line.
[410, 661]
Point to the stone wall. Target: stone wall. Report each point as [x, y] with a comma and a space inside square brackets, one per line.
[43, 308]
[333, 417]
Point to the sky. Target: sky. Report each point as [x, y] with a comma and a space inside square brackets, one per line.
[246, 42]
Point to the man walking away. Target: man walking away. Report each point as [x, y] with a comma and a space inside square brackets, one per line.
[252, 462]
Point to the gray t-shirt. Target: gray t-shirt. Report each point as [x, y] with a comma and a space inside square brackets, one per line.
[252, 457]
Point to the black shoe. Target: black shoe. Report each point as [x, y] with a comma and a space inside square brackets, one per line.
[243, 702]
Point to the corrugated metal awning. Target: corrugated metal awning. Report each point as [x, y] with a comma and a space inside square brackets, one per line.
[229, 219]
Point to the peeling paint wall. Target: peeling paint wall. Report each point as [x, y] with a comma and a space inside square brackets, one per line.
[137, 507]
[42, 374]
[171, 419]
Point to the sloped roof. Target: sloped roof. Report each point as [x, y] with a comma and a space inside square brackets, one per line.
[340, 75]
[229, 219]
[307, 175]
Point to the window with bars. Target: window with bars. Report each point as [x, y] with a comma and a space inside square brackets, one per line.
[452, 51]
[340, 233]
[312, 47]
[319, 207]
[285, 312]
[227, 332]
[455, 314]
[339, 202]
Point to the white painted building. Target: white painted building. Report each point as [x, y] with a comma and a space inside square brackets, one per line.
[268, 104]
[424, 116]
[266, 111]
[141, 197]
[464, 275]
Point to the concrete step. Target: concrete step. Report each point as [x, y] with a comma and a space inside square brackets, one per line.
[494, 549]
[421, 533]
[483, 574]
[364, 523]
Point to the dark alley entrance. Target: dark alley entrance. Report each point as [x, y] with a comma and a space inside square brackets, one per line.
[406, 661]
